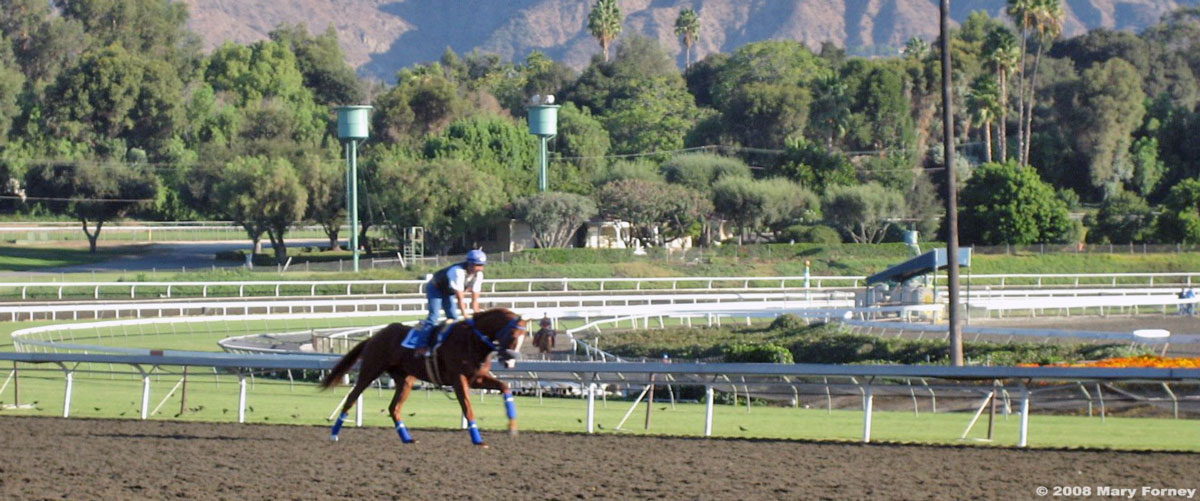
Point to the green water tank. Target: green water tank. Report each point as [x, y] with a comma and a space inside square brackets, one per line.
[353, 122]
[543, 119]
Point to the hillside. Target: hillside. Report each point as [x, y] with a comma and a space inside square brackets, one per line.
[381, 36]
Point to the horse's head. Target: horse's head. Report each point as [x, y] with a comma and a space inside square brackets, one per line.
[503, 331]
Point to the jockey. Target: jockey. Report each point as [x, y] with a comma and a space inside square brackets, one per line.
[447, 290]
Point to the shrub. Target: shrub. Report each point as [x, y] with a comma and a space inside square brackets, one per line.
[788, 322]
[758, 353]
[801, 233]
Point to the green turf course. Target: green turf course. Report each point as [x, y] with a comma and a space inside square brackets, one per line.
[27, 258]
[274, 401]
[750, 260]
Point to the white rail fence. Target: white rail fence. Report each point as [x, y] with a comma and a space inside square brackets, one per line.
[283, 288]
[587, 305]
[867, 379]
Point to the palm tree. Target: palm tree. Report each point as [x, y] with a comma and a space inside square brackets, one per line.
[830, 111]
[1048, 21]
[984, 102]
[1021, 12]
[604, 23]
[687, 26]
[916, 48]
[1000, 51]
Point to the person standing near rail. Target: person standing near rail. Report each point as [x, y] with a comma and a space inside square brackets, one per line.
[447, 291]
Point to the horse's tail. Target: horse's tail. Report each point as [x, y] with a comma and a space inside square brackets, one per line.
[343, 366]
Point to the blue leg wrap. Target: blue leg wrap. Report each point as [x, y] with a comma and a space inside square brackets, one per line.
[337, 426]
[476, 438]
[510, 406]
[403, 431]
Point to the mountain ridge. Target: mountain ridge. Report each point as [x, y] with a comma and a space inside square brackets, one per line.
[381, 36]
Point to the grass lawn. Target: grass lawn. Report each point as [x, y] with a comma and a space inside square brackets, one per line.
[213, 398]
[35, 257]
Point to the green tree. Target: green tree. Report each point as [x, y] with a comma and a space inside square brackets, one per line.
[92, 191]
[814, 166]
[325, 182]
[1022, 14]
[580, 148]
[700, 171]
[494, 145]
[265, 75]
[1000, 51]
[1111, 107]
[1123, 218]
[263, 196]
[782, 62]
[687, 28]
[916, 48]
[654, 117]
[984, 104]
[788, 204]
[113, 94]
[321, 61]
[1047, 21]
[767, 115]
[424, 101]
[1010, 204]
[829, 117]
[1180, 219]
[554, 217]
[446, 196]
[151, 27]
[654, 210]
[1147, 168]
[641, 169]
[11, 80]
[865, 212]
[604, 23]
[754, 205]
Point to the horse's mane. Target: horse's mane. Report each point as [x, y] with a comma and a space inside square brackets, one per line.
[487, 315]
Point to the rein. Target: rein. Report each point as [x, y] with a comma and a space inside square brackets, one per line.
[505, 333]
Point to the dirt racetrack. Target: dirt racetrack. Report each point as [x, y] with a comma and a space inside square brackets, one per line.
[47, 458]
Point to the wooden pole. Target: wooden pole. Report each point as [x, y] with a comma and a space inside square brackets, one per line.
[992, 413]
[955, 334]
[650, 401]
[183, 393]
[16, 386]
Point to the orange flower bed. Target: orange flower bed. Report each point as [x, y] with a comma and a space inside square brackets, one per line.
[1145, 361]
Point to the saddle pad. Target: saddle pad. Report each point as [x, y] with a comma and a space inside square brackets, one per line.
[418, 336]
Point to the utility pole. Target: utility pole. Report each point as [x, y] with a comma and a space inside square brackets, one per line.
[956, 348]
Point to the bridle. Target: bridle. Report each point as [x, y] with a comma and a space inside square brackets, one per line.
[505, 337]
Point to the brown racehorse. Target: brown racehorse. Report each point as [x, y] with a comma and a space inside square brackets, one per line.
[461, 361]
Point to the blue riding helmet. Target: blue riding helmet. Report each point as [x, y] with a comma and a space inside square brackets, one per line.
[477, 257]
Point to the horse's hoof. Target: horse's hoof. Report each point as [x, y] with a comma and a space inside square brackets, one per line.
[512, 433]
[333, 438]
[483, 446]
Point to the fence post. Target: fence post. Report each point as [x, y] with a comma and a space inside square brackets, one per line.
[708, 410]
[241, 397]
[868, 403]
[591, 407]
[67, 396]
[145, 394]
[1023, 437]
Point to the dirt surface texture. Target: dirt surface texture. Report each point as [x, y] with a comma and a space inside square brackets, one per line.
[48, 458]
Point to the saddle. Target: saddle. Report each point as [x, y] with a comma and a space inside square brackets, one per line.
[427, 335]
[430, 336]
